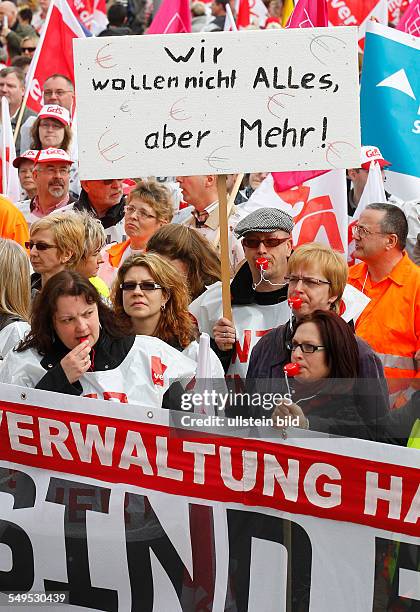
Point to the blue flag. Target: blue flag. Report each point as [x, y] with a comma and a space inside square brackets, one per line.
[390, 97]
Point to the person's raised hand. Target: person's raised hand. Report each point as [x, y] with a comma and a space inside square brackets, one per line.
[224, 334]
[77, 361]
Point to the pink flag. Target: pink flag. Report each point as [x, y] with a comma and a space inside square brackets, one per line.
[309, 14]
[410, 21]
[287, 180]
[54, 53]
[173, 17]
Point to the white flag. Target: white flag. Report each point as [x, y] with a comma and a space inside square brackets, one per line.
[10, 178]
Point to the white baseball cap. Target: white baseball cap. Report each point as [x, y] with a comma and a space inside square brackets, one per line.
[54, 111]
[370, 154]
[52, 155]
[29, 154]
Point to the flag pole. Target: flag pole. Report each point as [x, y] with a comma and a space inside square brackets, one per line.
[31, 71]
[224, 247]
[3, 148]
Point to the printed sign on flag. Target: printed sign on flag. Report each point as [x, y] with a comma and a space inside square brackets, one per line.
[357, 12]
[390, 97]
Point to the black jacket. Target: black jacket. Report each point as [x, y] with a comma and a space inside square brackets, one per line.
[107, 354]
[113, 214]
[242, 294]
[370, 395]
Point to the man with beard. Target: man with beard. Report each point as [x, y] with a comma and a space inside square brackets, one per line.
[51, 174]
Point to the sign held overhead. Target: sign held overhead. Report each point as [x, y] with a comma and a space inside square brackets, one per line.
[218, 103]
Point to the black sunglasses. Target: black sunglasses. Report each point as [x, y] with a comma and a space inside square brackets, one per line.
[254, 243]
[40, 246]
[144, 286]
[24, 49]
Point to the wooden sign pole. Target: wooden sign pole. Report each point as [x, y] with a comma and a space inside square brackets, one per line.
[224, 246]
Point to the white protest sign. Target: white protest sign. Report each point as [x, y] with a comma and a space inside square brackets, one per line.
[217, 102]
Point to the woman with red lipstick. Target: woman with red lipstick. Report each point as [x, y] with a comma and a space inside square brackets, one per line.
[317, 277]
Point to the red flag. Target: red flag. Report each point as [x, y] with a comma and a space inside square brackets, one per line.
[54, 53]
[309, 14]
[173, 17]
[243, 16]
[410, 21]
[91, 14]
[357, 12]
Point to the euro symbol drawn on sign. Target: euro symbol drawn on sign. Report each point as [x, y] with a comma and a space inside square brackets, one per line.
[335, 151]
[107, 148]
[325, 46]
[214, 160]
[102, 59]
[175, 113]
[124, 107]
[274, 102]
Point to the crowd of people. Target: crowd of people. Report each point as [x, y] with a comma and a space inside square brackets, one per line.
[108, 284]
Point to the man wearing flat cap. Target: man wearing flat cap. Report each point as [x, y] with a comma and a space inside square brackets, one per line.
[258, 290]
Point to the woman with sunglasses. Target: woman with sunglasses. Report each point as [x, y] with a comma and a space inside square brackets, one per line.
[148, 207]
[151, 298]
[78, 347]
[56, 242]
[317, 277]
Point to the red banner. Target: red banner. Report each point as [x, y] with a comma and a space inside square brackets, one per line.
[220, 468]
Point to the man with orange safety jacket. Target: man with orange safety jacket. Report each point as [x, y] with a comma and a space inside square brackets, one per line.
[390, 323]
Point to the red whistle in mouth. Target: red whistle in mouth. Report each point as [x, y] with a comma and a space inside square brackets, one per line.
[262, 263]
[83, 339]
[295, 302]
[291, 369]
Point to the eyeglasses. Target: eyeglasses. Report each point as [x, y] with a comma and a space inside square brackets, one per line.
[40, 246]
[144, 286]
[58, 92]
[362, 232]
[254, 243]
[28, 49]
[53, 170]
[306, 281]
[305, 347]
[138, 212]
[52, 125]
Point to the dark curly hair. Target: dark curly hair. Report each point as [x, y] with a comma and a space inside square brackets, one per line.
[44, 307]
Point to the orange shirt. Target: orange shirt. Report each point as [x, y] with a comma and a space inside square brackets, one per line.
[390, 323]
[12, 222]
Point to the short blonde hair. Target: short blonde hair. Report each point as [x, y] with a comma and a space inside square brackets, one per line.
[155, 195]
[329, 262]
[95, 236]
[69, 233]
[15, 286]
